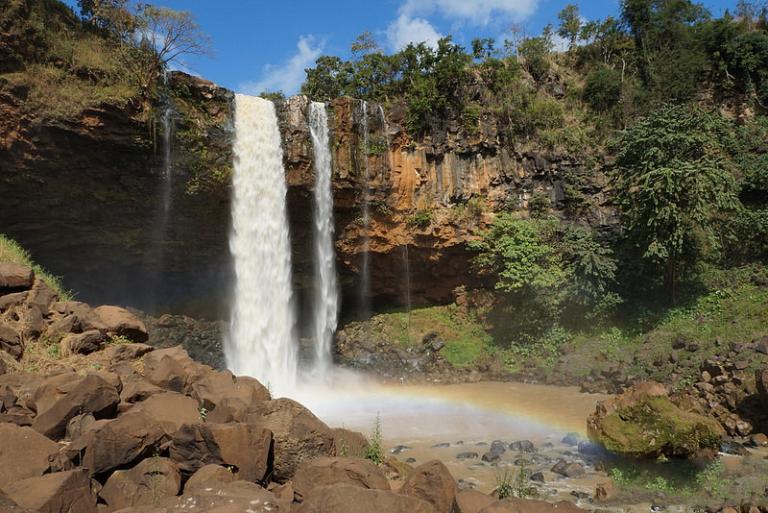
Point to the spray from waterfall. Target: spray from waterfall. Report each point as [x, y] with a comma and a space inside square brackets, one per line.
[261, 342]
[365, 265]
[326, 295]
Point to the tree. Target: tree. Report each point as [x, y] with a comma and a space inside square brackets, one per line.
[329, 79]
[673, 180]
[570, 25]
[535, 52]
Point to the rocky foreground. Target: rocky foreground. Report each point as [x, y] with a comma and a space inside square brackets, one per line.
[108, 423]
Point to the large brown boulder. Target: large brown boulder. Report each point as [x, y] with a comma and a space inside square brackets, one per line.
[121, 322]
[146, 484]
[136, 388]
[170, 409]
[86, 342]
[329, 471]
[344, 498]
[472, 501]
[643, 422]
[10, 341]
[90, 395]
[118, 443]
[172, 368]
[52, 389]
[15, 276]
[84, 318]
[8, 301]
[8, 506]
[761, 380]
[193, 447]
[209, 476]
[213, 388]
[126, 352]
[514, 505]
[60, 492]
[349, 443]
[432, 482]
[299, 435]
[24, 453]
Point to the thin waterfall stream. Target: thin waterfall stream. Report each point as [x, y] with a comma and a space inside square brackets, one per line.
[262, 341]
[365, 266]
[326, 295]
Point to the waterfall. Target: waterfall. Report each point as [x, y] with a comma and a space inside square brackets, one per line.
[326, 295]
[365, 266]
[261, 342]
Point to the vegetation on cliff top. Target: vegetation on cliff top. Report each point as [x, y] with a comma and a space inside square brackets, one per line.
[11, 251]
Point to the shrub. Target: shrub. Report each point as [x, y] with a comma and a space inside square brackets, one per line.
[421, 219]
[602, 90]
[374, 451]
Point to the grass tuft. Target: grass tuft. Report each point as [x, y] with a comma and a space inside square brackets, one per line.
[11, 251]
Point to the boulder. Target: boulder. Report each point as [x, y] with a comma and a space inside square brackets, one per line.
[86, 342]
[472, 501]
[120, 322]
[136, 388]
[170, 410]
[171, 368]
[349, 443]
[33, 323]
[522, 446]
[761, 380]
[643, 422]
[344, 498]
[433, 483]
[514, 505]
[193, 447]
[214, 387]
[497, 450]
[118, 443]
[209, 476]
[146, 484]
[568, 469]
[8, 506]
[126, 352]
[60, 492]
[15, 276]
[329, 471]
[90, 395]
[10, 341]
[61, 327]
[298, 435]
[42, 296]
[85, 319]
[52, 389]
[246, 447]
[24, 453]
[9, 301]
[79, 425]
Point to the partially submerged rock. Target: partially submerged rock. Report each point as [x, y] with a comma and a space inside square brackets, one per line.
[643, 422]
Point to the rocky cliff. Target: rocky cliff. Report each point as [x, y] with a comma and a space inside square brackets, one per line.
[90, 189]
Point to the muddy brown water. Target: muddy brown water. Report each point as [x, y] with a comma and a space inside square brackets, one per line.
[425, 422]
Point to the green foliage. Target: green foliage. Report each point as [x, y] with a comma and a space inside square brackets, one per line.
[535, 52]
[602, 90]
[11, 251]
[673, 180]
[420, 219]
[374, 451]
[570, 24]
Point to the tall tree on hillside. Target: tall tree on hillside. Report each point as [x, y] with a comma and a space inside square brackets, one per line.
[570, 25]
[673, 178]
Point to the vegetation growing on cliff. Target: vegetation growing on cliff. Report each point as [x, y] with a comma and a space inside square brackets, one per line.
[11, 251]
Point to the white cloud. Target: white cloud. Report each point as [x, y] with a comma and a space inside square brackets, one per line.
[407, 29]
[288, 77]
[480, 12]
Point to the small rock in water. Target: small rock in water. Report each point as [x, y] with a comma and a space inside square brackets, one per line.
[498, 448]
[441, 445]
[398, 449]
[465, 484]
[410, 460]
[571, 439]
[522, 446]
[538, 477]
[460, 442]
[566, 469]
[481, 444]
[467, 456]
[734, 448]
[579, 494]
[522, 462]
[590, 449]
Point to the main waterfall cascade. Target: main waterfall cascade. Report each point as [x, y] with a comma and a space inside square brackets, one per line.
[326, 295]
[262, 341]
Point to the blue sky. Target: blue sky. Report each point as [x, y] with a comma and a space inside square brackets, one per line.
[265, 45]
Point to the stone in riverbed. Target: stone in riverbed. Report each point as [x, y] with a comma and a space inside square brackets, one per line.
[467, 455]
[568, 469]
[497, 450]
[522, 446]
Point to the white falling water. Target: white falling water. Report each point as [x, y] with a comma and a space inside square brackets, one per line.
[326, 294]
[261, 342]
[365, 267]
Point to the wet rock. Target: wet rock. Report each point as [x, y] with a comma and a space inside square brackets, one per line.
[146, 484]
[568, 469]
[348, 499]
[442, 445]
[497, 450]
[605, 491]
[735, 448]
[398, 449]
[579, 495]
[433, 483]
[60, 492]
[467, 456]
[572, 439]
[537, 477]
[330, 471]
[522, 446]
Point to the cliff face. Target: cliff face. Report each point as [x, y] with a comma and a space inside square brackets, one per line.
[86, 197]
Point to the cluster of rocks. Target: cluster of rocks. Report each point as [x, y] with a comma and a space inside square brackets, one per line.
[30, 310]
[732, 392]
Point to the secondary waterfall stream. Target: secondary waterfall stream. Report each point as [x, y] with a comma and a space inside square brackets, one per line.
[365, 265]
[261, 342]
[326, 296]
